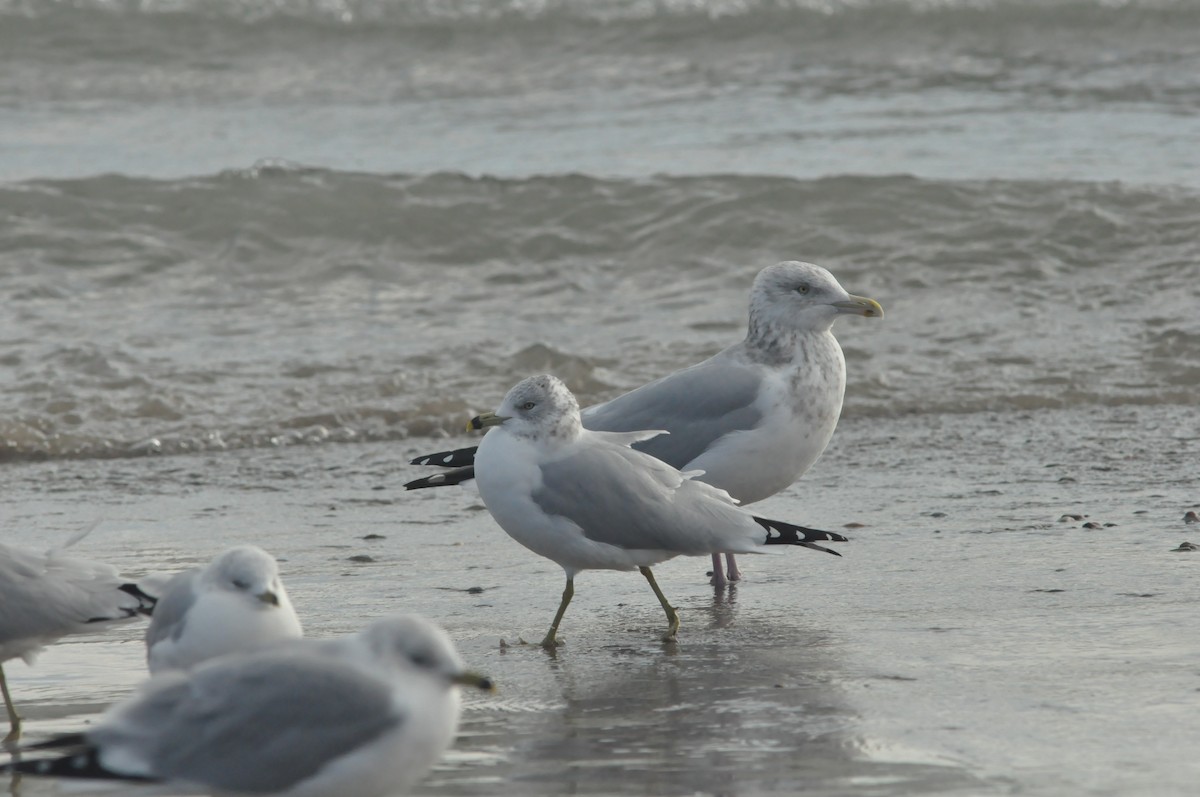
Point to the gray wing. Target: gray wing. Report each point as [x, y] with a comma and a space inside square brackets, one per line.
[45, 596]
[21, 609]
[625, 498]
[698, 406]
[252, 724]
[170, 612]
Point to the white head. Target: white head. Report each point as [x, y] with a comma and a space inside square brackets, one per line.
[410, 643]
[538, 408]
[250, 571]
[794, 297]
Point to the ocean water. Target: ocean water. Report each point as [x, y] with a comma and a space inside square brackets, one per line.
[256, 254]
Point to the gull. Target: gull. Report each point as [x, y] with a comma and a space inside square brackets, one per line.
[755, 416]
[365, 716]
[235, 604]
[587, 500]
[46, 596]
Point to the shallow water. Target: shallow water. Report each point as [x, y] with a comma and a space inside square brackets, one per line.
[283, 306]
[257, 255]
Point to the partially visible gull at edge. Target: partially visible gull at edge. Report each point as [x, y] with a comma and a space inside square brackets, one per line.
[362, 716]
[46, 596]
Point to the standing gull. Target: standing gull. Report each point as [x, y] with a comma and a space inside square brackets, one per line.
[753, 417]
[235, 604]
[587, 500]
[364, 716]
[46, 596]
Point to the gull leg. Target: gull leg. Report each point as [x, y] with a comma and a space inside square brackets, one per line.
[732, 568]
[672, 615]
[14, 719]
[718, 574]
[550, 642]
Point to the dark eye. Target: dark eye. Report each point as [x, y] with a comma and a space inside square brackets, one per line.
[801, 289]
[237, 582]
[528, 405]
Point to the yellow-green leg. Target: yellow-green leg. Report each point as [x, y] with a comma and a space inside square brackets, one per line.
[551, 642]
[14, 719]
[672, 615]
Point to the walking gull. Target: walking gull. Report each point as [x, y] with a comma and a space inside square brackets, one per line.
[46, 596]
[755, 416]
[587, 500]
[365, 717]
[234, 605]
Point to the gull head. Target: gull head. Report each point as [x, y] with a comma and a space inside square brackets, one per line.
[248, 570]
[540, 407]
[801, 297]
[409, 643]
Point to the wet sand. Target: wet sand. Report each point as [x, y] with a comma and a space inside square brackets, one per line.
[968, 641]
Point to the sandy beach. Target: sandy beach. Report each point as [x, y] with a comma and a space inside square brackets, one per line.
[969, 641]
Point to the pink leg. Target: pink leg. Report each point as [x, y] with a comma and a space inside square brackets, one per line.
[732, 568]
[718, 574]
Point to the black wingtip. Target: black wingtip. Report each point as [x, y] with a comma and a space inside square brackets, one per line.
[60, 742]
[146, 602]
[145, 606]
[458, 458]
[816, 547]
[780, 533]
[447, 479]
[83, 765]
[426, 481]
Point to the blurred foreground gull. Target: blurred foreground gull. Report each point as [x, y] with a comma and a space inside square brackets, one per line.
[362, 716]
[46, 596]
[234, 605]
[753, 417]
[588, 501]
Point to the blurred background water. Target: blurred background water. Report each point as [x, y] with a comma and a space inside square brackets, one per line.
[256, 253]
[246, 223]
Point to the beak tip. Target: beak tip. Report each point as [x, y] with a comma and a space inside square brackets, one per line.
[480, 682]
[860, 305]
[485, 421]
[870, 307]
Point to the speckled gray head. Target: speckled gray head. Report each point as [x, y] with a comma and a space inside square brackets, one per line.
[538, 407]
[409, 641]
[247, 569]
[801, 297]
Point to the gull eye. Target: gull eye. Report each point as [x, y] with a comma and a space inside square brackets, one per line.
[801, 289]
[528, 405]
[237, 582]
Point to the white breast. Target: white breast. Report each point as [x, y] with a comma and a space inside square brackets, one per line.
[800, 407]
